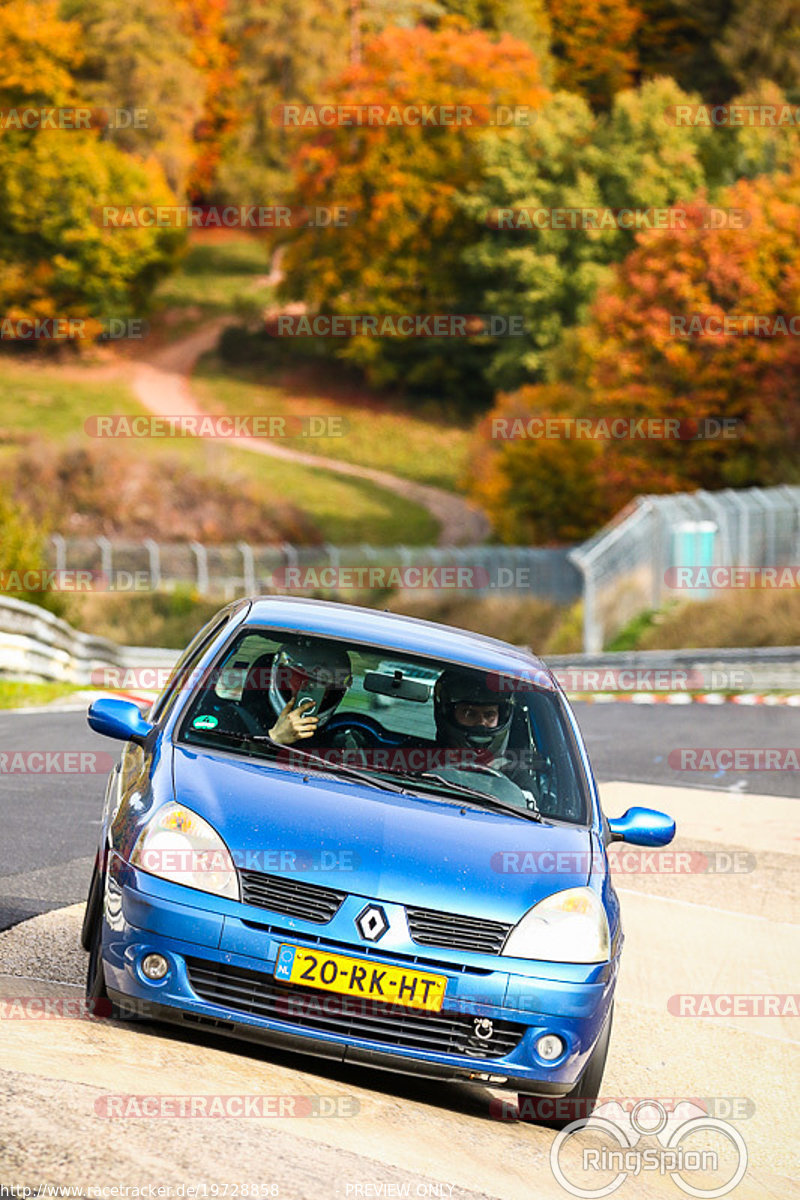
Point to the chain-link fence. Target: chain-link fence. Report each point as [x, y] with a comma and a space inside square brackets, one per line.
[686, 545]
[659, 546]
[228, 571]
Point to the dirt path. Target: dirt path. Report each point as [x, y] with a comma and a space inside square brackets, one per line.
[163, 386]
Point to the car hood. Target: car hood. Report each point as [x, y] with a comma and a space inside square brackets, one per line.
[416, 849]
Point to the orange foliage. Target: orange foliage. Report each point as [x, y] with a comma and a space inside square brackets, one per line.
[593, 42]
[215, 58]
[631, 361]
[402, 179]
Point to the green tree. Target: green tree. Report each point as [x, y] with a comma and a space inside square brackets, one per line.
[751, 150]
[570, 159]
[138, 57]
[23, 553]
[629, 360]
[56, 257]
[285, 52]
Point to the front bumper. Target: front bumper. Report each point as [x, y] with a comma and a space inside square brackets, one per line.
[236, 947]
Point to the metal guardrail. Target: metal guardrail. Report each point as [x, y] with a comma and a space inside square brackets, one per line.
[35, 645]
[757, 669]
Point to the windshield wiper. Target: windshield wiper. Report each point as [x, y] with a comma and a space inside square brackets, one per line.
[334, 768]
[485, 798]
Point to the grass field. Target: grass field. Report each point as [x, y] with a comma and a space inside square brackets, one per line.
[53, 403]
[225, 274]
[374, 433]
[749, 617]
[219, 275]
[30, 695]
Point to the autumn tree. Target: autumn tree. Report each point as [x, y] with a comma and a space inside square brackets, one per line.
[39, 52]
[680, 38]
[214, 57]
[526, 20]
[403, 251]
[57, 259]
[593, 45]
[142, 60]
[761, 41]
[570, 159]
[636, 358]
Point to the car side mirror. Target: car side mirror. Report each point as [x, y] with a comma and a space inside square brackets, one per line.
[119, 719]
[642, 827]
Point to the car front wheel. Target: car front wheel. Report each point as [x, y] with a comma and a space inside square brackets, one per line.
[95, 975]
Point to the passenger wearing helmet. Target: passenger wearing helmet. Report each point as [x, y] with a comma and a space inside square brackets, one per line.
[308, 681]
[471, 715]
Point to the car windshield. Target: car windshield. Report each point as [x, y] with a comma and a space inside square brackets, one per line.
[480, 737]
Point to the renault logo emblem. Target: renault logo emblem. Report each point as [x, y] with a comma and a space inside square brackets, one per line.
[372, 923]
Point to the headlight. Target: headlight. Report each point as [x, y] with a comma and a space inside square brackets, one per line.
[178, 845]
[569, 926]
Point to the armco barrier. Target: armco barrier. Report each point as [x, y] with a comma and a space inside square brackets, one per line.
[35, 645]
[38, 646]
[755, 669]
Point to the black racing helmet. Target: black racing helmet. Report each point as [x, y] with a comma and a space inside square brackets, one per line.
[310, 670]
[458, 685]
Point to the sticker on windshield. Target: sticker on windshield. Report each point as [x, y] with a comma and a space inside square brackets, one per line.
[205, 723]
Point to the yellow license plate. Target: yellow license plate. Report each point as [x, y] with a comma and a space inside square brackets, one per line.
[359, 977]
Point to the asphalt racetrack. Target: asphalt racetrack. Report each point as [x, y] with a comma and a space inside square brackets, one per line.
[728, 932]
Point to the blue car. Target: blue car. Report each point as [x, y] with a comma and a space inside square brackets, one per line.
[367, 837]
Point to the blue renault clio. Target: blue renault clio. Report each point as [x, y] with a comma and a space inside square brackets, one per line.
[368, 837]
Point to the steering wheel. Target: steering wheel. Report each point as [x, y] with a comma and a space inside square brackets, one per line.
[365, 731]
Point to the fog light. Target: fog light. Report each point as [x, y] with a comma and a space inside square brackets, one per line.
[154, 966]
[549, 1047]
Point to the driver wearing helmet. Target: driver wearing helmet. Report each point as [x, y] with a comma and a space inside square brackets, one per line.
[308, 681]
[470, 716]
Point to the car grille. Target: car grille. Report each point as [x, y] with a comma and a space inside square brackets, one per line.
[290, 896]
[259, 995]
[430, 928]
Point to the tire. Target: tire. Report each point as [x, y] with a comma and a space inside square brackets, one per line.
[100, 1003]
[95, 974]
[581, 1101]
[92, 913]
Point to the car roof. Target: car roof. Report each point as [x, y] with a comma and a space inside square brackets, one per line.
[393, 631]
